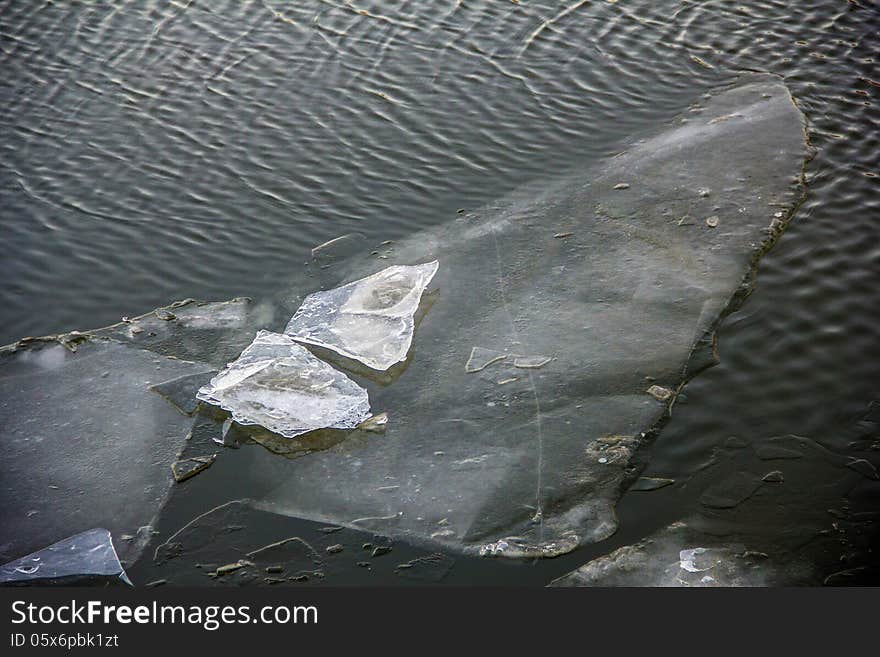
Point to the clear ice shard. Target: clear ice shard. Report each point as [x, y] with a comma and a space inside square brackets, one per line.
[370, 320]
[280, 385]
[86, 556]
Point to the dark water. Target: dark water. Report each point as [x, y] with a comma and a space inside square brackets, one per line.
[155, 151]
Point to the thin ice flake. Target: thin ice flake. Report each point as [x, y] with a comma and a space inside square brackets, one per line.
[370, 320]
[279, 385]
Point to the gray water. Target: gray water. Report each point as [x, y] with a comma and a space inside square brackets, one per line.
[155, 151]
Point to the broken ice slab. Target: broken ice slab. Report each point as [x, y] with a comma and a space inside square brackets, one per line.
[280, 385]
[85, 440]
[85, 558]
[370, 320]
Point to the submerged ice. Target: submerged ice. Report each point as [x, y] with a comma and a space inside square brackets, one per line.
[279, 385]
[370, 320]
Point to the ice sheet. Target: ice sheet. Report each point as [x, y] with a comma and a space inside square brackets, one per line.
[281, 386]
[370, 320]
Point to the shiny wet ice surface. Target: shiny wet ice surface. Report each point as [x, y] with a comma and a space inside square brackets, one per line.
[158, 151]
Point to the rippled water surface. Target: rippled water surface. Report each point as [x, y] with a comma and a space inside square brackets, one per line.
[160, 150]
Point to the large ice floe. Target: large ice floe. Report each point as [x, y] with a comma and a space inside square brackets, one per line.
[279, 385]
[370, 320]
[606, 325]
[86, 440]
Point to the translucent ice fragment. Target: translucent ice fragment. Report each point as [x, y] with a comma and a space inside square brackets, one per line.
[370, 320]
[212, 332]
[84, 557]
[481, 358]
[279, 385]
[181, 391]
